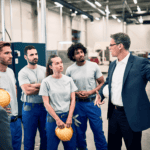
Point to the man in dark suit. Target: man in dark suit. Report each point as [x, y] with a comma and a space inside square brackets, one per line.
[128, 106]
[5, 134]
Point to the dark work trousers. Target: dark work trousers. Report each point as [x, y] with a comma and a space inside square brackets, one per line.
[118, 128]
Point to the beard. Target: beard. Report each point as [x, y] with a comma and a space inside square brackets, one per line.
[33, 62]
[5, 63]
[82, 60]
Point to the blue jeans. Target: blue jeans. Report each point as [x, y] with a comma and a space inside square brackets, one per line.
[53, 140]
[87, 110]
[16, 133]
[33, 117]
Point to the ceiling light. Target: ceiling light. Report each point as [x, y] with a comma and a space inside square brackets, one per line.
[91, 3]
[101, 11]
[118, 20]
[76, 12]
[70, 9]
[84, 16]
[138, 8]
[73, 14]
[141, 19]
[98, 4]
[114, 16]
[107, 10]
[58, 4]
[97, 18]
[135, 1]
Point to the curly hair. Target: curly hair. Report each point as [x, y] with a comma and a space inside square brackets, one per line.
[72, 48]
[122, 38]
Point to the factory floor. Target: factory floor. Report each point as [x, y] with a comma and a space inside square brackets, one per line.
[89, 134]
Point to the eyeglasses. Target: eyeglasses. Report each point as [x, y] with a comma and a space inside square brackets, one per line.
[112, 45]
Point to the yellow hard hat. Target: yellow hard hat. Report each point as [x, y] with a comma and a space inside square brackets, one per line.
[4, 98]
[64, 134]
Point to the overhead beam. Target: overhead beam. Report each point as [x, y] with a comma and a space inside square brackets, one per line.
[144, 4]
[70, 6]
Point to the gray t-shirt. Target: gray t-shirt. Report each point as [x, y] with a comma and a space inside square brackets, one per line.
[84, 76]
[59, 91]
[31, 76]
[8, 82]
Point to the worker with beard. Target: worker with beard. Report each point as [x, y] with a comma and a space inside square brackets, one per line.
[33, 111]
[8, 83]
[88, 79]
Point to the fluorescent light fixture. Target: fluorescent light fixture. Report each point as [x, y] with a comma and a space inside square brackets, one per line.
[84, 16]
[135, 1]
[97, 18]
[101, 11]
[138, 8]
[118, 20]
[114, 16]
[65, 42]
[58, 4]
[107, 10]
[141, 19]
[91, 4]
[73, 14]
[98, 4]
[76, 12]
[70, 9]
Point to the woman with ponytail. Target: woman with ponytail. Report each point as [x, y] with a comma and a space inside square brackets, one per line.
[58, 93]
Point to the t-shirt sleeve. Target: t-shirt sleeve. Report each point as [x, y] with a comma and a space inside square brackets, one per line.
[98, 72]
[43, 89]
[68, 72]
[14, 76]
[23, 78]
[73, 87]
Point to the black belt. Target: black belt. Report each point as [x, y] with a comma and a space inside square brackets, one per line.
[13, 119]
[119, 108]
[89, 99]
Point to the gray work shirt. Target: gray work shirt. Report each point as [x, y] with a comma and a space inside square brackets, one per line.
[8, 83]
[31, 76]
[84, 76]
[59, 91]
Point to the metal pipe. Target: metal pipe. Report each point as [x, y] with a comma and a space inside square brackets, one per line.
[11, 20]
[3, 19]
[38, 10]
[43, 22]
[107, 18]
[123, 13]
[61, 25]
[21, 19]
[103, 28]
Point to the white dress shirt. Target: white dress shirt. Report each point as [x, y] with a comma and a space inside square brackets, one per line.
[117, 81]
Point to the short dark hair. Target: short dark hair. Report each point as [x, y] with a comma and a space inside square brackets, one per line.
[72, 48]
[49, 62]
[29, 47]
[3, 44]
[122, 38]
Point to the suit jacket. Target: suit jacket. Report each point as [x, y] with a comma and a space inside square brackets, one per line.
[5, 133]
[135, 100]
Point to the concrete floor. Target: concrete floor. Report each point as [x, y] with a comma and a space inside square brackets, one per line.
[89, 134]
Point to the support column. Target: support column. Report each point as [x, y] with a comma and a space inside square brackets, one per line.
[43, 22]
[3, 20]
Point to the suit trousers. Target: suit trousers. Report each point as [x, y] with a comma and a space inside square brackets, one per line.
[118, 128]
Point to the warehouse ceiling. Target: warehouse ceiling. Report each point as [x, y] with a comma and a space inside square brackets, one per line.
[124, 10]
[129, 11]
